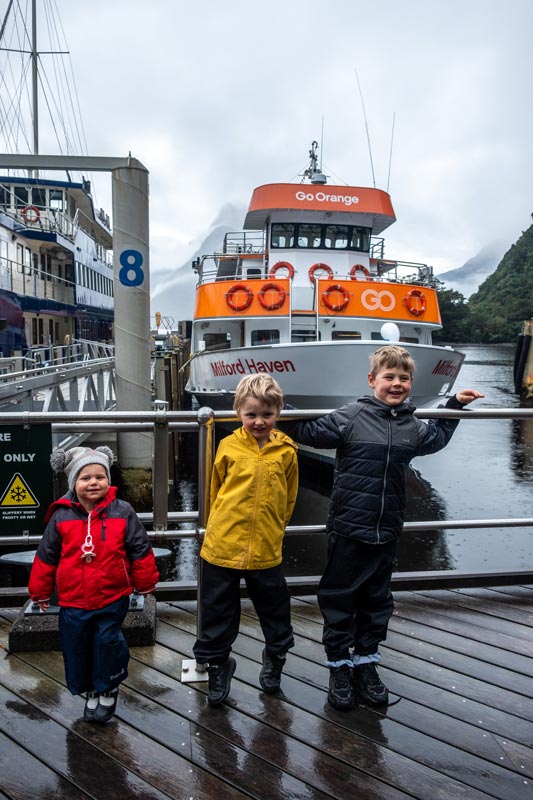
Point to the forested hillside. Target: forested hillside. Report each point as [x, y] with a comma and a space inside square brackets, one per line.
[503, 301]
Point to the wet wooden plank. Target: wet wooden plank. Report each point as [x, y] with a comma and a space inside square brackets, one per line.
[488, 602]
[416, 747]
[496, 616]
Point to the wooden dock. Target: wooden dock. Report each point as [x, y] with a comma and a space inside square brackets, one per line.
[460, 660]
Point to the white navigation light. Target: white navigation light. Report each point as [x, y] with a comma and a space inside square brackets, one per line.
[390, 331]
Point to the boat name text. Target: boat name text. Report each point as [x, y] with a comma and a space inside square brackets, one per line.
[250, 365]
[322, 197]
[446, 368]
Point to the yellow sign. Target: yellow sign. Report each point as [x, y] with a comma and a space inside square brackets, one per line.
[18, 494]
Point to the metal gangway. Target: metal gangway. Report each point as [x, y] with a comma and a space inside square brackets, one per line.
[76, 377]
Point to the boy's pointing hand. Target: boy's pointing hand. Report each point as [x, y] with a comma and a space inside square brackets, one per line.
[466, 396]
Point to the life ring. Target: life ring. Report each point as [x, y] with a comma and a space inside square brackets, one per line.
[336, 287]
[360, 268]
[417, 307]
[31, 214]
[274, 304]
[320, 267]
[281, 265]
[233, 291]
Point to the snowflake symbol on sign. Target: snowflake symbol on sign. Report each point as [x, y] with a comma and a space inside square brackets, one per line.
[18, 494]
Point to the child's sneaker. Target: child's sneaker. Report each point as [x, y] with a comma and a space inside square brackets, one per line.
[219, 681]
[270, 675]
[91, 704]
[368, 686]
[341, 694]
[107, 703]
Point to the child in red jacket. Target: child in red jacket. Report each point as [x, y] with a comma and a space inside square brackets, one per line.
[95, 552]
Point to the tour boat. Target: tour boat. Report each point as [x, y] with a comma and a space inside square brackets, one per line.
[304, 293]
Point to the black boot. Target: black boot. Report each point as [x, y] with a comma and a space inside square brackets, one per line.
[270, 675]
[368, 686]
[341, 694]
[107, 704]
[91, 704]
[219, 681]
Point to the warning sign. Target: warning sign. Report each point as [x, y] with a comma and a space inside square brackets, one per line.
[26, 481]
[18, 494]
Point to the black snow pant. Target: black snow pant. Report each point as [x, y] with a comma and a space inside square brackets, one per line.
[221, 610]
[354, 596]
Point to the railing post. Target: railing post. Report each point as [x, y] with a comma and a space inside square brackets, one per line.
[160, 467]
[191, 671]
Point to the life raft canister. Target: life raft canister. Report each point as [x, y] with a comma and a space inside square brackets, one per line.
[415, 301]
[360, 268]
[31, 214]
[234, 291]
[271, 289]
[336, 288]
[281, 265]
[319, 268]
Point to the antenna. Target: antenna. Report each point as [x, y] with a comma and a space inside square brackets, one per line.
[390, 154]
[322, 145]
[366, 126]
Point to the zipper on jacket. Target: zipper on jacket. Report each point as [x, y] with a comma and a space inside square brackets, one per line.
[102, 535]
[387, 462]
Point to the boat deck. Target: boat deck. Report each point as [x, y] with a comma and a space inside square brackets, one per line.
[460, 660]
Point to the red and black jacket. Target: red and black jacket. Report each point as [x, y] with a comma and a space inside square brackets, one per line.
[124, 559]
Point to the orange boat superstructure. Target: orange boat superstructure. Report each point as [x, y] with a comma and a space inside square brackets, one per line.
[306, 284]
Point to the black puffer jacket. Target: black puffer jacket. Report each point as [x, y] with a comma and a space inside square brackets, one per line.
[375, 443]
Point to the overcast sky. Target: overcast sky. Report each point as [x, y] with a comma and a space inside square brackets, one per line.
[216, 98]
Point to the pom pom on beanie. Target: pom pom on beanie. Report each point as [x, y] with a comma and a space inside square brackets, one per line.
[72, 461]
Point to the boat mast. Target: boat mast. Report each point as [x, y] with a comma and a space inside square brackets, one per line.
[34, 84]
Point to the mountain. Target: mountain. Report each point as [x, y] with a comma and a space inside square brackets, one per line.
[172, 290]
[470, 276]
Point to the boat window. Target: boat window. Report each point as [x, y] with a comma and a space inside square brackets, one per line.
[360, 239]
[57, 200]
[337, 237]
[282, 235]
[411, 339]
[304, 335]
[21, 196]
[309, 235]
[264, 337]
[217, 341]
[345, 335]
[38, 197]
[4, 197]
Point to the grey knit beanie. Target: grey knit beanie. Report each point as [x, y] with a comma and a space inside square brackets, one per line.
[72, 461]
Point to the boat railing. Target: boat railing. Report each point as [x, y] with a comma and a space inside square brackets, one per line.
[244, 242]
[36, 359]
[166, 526]
[35, 281]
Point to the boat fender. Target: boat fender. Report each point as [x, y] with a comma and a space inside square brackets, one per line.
[320, 268]
[281, 265]
[415, 301]
[271, 305]
[336, 287]
[246, 300]
[360, 268]
[31, 214]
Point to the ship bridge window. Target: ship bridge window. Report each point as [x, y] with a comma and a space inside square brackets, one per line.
[336, 237]
[57, 200]
[4, 197]
[360, 239]
[282, 235]
[217, 341]
[309, 235]
[264, 336]
[21, 196]
[38, 197]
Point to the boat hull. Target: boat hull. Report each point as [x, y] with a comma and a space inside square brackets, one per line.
[317, 375]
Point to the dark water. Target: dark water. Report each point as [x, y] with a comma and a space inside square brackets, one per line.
[486, 471]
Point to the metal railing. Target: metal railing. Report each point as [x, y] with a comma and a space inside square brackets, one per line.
[162, 423]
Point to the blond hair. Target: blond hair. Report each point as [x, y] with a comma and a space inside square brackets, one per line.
[391, 356]
[260, 387]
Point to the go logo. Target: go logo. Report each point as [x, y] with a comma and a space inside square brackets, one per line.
[131, 272]
[373, 300]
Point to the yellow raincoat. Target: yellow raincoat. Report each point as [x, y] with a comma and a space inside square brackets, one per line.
[253, 492]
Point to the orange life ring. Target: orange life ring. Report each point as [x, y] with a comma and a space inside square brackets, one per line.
[336, 287]
[274, 304]
[281, 265]
[360, 268]
[31, 214]
[320, 267]
[233, 291]
[417, 307]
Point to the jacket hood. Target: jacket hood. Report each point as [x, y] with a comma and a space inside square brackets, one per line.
[70, 500]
